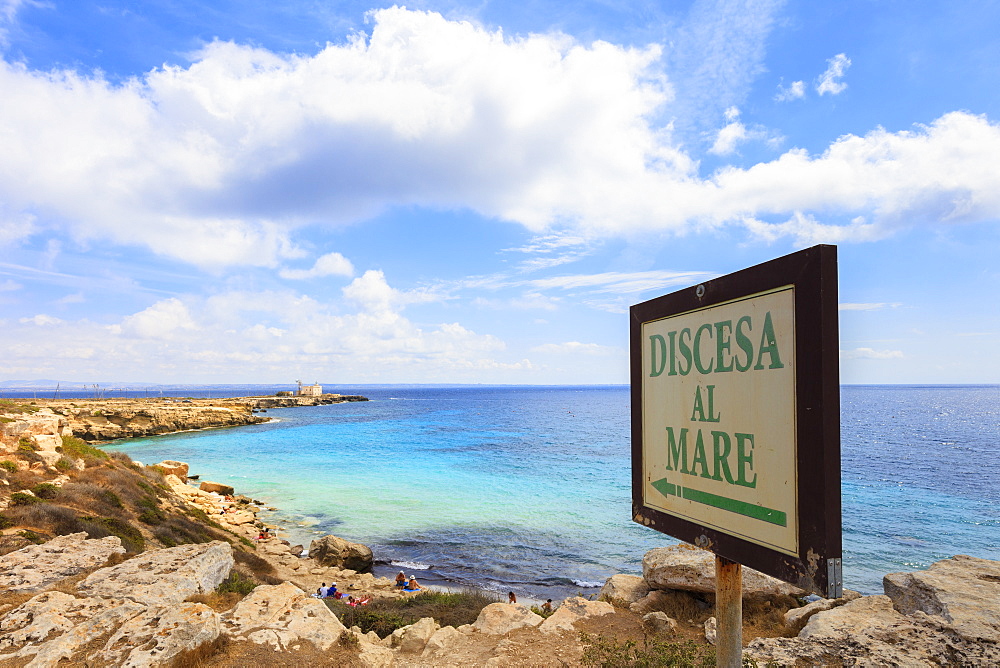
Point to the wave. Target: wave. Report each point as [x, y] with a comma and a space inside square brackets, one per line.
[587, 584]
[412, 565]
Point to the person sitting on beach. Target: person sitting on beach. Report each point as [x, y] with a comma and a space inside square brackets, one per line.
[321, 592]
[412, 585]
[547, 606]
[511, 598]
[351, 602]
[261, 536]
[331, 591]
[400, 579]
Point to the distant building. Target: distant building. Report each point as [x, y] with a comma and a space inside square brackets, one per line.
[310, 390]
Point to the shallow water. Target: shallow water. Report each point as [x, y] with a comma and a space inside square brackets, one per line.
[528, 488]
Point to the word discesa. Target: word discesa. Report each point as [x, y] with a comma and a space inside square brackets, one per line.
[696, 349]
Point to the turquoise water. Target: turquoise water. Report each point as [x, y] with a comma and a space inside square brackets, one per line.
[528, 488]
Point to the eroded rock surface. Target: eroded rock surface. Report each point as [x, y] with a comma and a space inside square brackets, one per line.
[690, 569]
[38, 567]
[280, 615]
[164, 577]
[624, 589]
[573, 610]
[500, 618]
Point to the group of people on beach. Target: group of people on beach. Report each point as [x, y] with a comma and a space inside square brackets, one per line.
[407, 585]
[332, 592]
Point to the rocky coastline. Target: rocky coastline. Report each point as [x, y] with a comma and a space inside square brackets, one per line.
[103, 420]
[108, 562]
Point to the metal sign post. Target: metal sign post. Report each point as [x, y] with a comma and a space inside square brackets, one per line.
[736, 425]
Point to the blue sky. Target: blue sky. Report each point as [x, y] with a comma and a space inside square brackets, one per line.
[239, 192]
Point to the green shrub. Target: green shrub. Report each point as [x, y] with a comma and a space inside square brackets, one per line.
[64, 464]
[606, 652]
[45, 490]
[5, 522]
[386, 615]
[150, 513]
[25, 444]
[99, 527]
[8, 465]
[28, 534]
[76, 448]
[542, 613]
[237, 582]
[5, 420]
[8, 406]
[23, 499]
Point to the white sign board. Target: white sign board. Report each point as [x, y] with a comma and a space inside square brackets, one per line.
[718, 414]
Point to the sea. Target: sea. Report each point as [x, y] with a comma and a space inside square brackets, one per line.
[527, 488]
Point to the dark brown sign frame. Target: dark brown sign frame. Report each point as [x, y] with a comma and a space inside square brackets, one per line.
[813, 273]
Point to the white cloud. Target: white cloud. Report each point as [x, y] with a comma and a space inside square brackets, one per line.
[795, 91]
[163, 320]
[10, 286]
[220, 162]
[875, 306]
[830, 80]
[621, 282]
[256, 336]
[871, 354]
[331, 264]
[41, 320]
[577, 348]
[75, 298]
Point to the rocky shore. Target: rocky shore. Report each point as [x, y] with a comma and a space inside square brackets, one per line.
[101, 420]
[108, 562]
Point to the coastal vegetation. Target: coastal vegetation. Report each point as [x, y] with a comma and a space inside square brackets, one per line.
[383, 616]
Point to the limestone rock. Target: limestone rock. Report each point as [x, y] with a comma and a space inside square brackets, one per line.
[963, 591]
[625, 589]
[37, 567]
[711, 630]
[334, 551]
[679, 567]
[160, 633]
[501, 618]
[415, 636]
[868, 631]
[573, 610]
[796, 618]
[54, 625]
[375, 656]
[658, 623]
[170, 467]
[217, 487]
[164, 577]
[438, 644]
[279, 615]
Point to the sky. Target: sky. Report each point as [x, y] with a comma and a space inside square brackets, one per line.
[449, 192]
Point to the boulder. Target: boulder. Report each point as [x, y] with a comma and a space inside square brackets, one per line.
[501, 618]
[375, 656]
[573, 610]
[415, 636]
[439, 643]
[334, 551]
[692, 569]
[170, 467]
[38, 567]
[869, 631]
[796, 618]
[624, 590]
[216, 487]
[711, 630]
[963, 592]
[280, 615]
[658, 623]
[164, 577]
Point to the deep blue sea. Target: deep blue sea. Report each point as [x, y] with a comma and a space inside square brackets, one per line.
[528, 488]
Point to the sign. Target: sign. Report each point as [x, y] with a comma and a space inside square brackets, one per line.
[736, 419]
